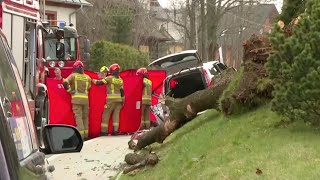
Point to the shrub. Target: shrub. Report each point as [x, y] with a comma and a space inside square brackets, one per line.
[294, 68]
[105, 53]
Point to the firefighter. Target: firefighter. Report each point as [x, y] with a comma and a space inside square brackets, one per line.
[104, 72]
[146, 98]
[57, 73]
[115, 99]
[104, 69]
[78, 84]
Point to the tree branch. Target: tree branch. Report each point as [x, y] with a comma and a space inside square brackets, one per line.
[181, 25]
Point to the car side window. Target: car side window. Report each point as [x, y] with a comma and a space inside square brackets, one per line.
[217, 68]
[13, 104]
[222, 66]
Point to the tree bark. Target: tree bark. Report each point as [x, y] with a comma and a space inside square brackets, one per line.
[140, 160]
[185, 109]
[211, 28]
[134, 167]
[202, 31]
[133, 158]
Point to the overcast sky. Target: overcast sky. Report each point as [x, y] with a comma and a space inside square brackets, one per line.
[168, 3]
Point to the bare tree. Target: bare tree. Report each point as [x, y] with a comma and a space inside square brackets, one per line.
[202, 29]
[209, 13]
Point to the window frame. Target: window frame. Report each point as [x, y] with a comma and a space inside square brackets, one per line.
[52, 14]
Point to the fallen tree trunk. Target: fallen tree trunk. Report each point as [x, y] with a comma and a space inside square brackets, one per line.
[185, 109]
[133, 158]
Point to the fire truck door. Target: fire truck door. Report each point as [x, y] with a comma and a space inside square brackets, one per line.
[29, 58]
[17, 41]
[6, 26]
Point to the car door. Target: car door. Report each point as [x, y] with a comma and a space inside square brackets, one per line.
[18, 120]
[4, 157]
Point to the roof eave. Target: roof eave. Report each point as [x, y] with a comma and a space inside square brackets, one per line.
[71, 3]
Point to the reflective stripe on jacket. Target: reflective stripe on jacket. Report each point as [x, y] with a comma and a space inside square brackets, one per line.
[147, 90]
[114, 84]
[79, 87]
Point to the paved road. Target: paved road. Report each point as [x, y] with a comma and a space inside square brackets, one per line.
[100, 158]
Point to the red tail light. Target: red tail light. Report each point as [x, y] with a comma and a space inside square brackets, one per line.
[0, 16]
[207, 78]
[173, 83]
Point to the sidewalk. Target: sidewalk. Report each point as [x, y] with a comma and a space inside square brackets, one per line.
[100, 158]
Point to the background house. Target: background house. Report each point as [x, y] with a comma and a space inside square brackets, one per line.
[165, 37]
[63, 10]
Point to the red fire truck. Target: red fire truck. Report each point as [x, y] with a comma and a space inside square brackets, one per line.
[38, 49]
[21, 24]
[62, 48]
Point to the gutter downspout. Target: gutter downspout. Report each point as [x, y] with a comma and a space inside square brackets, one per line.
[81, 7]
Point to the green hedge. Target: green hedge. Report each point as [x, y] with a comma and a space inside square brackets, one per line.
[105, 53]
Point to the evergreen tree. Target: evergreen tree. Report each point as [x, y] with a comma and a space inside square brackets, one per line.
[121, 25]
[291, 9]
[295, 68]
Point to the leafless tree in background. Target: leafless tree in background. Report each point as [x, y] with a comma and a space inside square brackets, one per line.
[200, 19]
[196, 22]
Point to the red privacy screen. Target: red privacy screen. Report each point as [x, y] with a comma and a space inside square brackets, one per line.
[130, 116]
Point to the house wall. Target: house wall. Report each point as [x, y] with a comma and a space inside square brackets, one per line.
[175, 48]
[268, 22]
[63, 14]
[267, 26]
[228, 57]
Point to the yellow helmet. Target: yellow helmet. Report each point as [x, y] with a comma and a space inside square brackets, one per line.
[104, 69]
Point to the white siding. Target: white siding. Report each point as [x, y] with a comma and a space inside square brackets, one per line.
[63, 14]
[6, 26]
[18, 39]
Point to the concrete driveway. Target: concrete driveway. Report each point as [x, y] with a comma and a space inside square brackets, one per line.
[100, 158]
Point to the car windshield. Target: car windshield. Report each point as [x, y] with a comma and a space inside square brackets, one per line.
[69, 45]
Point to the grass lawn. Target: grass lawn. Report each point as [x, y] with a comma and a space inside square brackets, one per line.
[216, 147]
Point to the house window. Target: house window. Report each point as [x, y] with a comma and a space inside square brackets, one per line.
[154, 3]
[51, 17]
[144, 49]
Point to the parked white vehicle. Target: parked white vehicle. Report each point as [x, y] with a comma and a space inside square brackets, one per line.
[214, 68]
[186, 74]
